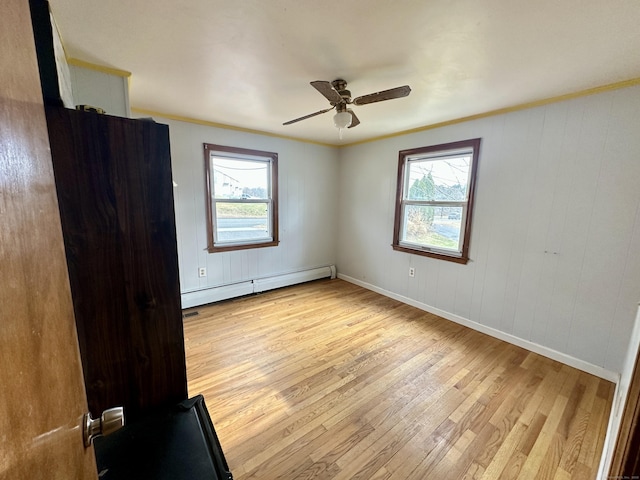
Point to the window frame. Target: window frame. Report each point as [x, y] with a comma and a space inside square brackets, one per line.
[404, 156]
[240, 154]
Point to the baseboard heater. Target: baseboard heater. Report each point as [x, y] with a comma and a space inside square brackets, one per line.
[224, 292]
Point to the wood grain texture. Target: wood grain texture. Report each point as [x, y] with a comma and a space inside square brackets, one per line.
[42, 399]
[113, 178]
[329, 380]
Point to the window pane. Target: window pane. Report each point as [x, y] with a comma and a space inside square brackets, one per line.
[439, 179]
[233, 178]
[434, 202]
[432, 226]
[242, 187]
[241, 222]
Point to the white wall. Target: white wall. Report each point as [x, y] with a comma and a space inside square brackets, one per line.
[100, 89]
[555, 236]
[307, 196]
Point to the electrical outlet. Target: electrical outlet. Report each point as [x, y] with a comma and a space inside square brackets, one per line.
[202, 272]
[412, 272]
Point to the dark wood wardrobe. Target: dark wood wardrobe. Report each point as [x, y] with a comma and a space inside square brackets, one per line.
[115, 193]
[115, 196]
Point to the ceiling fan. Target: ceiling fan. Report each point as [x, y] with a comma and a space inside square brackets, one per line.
[339, 98]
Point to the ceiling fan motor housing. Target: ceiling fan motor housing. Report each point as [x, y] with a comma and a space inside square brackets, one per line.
[341, 87]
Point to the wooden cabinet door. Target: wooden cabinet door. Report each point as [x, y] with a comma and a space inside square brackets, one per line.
[42, 398]
[115, 190]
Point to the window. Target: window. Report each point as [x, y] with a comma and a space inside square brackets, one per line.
[242, 198]
[435, 200]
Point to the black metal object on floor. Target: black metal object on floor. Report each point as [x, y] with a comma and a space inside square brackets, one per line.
[174, 444]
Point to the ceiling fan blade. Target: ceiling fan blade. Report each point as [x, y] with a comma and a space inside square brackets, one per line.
[390, 94]
[354, 120]
[308, 116]
[326, 89]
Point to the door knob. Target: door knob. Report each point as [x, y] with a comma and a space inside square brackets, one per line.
[110, 421]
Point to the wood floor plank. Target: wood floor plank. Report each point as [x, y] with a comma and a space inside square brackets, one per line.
[506, 451]
[327, 380]
[512, 469]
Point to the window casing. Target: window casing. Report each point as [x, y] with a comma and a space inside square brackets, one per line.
[242, 198]
[434, 200]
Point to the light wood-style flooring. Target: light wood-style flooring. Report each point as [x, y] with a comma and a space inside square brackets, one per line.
[327, 380]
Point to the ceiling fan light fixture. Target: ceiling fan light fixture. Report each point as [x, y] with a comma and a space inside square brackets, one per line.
[342, 120]
[340, 98]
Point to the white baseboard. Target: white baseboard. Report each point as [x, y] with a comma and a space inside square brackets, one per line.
[620, 399]
[224, 292]
[526, 344]
[217, 294]
[613, 427]
[278, 281]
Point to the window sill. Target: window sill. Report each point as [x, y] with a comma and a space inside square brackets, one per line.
[247, 246]
[426, 253]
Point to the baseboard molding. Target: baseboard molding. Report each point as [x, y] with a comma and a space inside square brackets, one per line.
[279, 281]
[218, 293]
[620, 398]
[531, 346]
[613, 427]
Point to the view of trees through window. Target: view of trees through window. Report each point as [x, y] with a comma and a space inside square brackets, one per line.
[436, 181]
[435, 200]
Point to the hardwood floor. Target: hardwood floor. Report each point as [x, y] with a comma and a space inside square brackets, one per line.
[327, 380]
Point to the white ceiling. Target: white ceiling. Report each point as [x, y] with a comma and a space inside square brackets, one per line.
[248, 63]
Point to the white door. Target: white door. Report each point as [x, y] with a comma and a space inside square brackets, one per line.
[42, 396]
